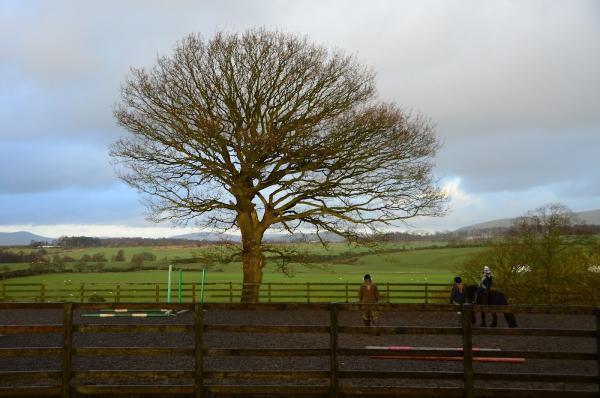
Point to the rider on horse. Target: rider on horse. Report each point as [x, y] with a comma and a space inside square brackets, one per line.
[483, 291]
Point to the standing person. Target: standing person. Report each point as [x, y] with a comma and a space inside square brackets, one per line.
[457, 295]
[369, 294]
[483, 291]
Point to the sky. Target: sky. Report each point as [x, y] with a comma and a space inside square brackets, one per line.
[513, 88]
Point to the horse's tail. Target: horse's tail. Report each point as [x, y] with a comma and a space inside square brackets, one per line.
[508, 316]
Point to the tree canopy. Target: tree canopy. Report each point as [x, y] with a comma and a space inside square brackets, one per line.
[267, 130]
[543, 259]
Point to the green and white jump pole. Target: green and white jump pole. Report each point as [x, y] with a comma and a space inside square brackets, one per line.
[202, 286]
[133, 313]
[169, 285]
[180, 286]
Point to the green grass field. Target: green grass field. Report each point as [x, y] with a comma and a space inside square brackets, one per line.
[339, 263]
[434, 265]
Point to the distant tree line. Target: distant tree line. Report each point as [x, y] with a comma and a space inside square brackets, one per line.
[38, 243]
[8, 256]
[73, 242]
[480, 234]
[119, 242]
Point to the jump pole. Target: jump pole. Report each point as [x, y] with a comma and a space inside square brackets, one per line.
[127, 310]
[409, 348]
[169, 285]
[127, 315]
[179, 285]
[455, 359]
[202, 286]
[439, 358]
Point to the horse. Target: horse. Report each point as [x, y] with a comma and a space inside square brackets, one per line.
[495, 297]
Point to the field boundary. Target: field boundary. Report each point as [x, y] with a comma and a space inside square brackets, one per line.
[231, 292]
[216, 292]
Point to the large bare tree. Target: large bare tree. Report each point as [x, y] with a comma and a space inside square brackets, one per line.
[267, 130]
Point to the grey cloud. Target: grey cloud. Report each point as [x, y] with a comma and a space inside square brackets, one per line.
[469, 65]
[114, 204]
[64, 40]
[67, 59]
[46, 165]
[516, 161]
[473, 65]
[512, 85]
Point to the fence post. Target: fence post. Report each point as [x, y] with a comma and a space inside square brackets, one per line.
[347, 297]
[42, 292]
[199, 354]
[66, 349]
[118, 295]
[3, 291]
[387, 292]
[269, 291]
[231, 292]
[597, 311]
[308, 292]
[193, 293]
[82, 292]
[469, 385]
[426, 293]
[157, 293]
[333, 347]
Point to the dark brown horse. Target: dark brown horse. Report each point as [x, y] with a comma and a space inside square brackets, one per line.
[494, 297]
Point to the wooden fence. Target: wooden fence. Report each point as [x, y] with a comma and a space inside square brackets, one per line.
[69, 381]
[308, 292]
[270, 292]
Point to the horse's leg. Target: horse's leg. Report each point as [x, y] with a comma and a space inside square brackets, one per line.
[494, 320]
[483, 320]
[473, 320]
[510, 319]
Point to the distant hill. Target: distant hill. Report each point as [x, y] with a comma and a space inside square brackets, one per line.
[21, 238]
[590, 217]
[302, 237]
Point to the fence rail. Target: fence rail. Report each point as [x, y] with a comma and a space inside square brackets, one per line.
[66, 382]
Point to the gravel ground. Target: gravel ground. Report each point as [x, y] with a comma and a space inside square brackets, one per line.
[305, 340]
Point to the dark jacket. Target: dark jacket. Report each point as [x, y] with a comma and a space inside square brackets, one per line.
[457, 296]
[368, 293]
[486, 283]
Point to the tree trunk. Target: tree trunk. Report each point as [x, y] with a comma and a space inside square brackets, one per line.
[253, 259]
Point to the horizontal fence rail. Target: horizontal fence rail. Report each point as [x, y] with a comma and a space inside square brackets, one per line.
[69, 381]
